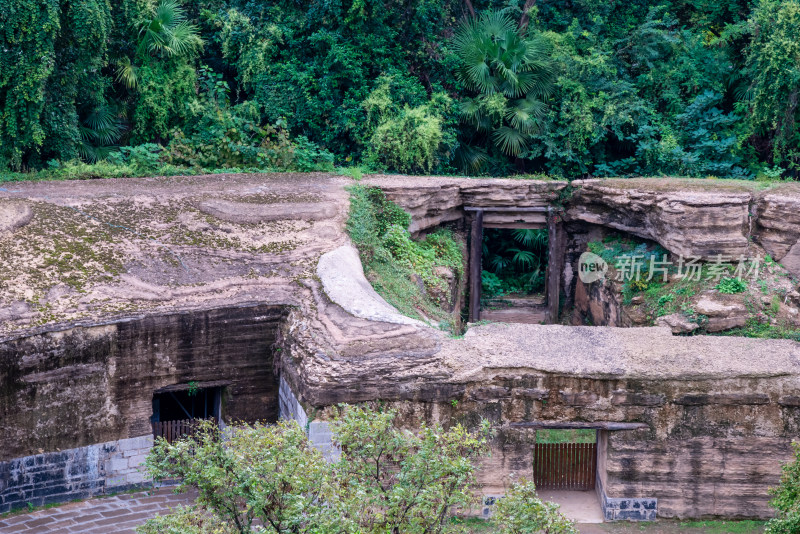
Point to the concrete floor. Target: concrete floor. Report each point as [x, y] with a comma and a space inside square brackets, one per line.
[580, 506]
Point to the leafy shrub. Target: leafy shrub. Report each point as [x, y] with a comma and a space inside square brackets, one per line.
[491, 285]
[386, 479]
[521, 511]
[141, 158]
[387, 213]
[407, 143]
[219, 135]
[731, 286]
[786, 498]
[411, 140]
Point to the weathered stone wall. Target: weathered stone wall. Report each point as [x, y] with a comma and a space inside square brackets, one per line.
[709, 450]
[77, 473]
[92, 384]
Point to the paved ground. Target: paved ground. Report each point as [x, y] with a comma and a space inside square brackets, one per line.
[106, 515]
[123, 513]
[580, 506]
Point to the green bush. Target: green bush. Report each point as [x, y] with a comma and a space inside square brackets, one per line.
[731, 286]
[386, 479]
[521, 511]
[408, 143]
[491, 285]
[786, 498]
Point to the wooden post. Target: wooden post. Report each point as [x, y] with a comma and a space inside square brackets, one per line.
[554, 266]
[475, 252]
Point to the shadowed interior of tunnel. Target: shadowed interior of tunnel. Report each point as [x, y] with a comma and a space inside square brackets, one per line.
[513, 275]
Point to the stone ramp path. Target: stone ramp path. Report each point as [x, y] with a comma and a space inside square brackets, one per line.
[104, 515]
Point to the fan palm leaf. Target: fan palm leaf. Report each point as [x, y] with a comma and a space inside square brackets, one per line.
[509, 140]
[526, 259]
[99, 130]
[530, 238]
[511, 72]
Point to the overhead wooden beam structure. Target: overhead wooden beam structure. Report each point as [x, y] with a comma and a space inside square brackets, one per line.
[554, 257]
[475, 253]
[591, 425]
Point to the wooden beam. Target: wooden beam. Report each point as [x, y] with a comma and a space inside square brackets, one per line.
[595, 425]
[554, 267]
[538, 209]
[475, 253]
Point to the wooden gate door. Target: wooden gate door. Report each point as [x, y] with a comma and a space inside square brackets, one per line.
[564, 466]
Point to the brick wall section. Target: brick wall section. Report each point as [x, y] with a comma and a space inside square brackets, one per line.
[319, 432]
[77, 473]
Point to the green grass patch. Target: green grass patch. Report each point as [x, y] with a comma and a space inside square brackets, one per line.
[724, 527]
[566, 435]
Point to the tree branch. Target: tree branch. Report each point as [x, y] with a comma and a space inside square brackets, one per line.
[471, 9]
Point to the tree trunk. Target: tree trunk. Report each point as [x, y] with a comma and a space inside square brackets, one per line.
[525, 19]
[471, 9]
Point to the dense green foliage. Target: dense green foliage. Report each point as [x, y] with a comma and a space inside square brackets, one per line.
[521, 511]
[569, 88]
[786, 498]
[386, 480]
[514, 262]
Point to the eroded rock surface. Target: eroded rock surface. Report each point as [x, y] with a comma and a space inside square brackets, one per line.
[14, 215]
[685, 217]
[777, 225]
[110, 291]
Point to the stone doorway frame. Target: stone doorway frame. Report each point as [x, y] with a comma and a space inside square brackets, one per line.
[516, 218]
[613, 508]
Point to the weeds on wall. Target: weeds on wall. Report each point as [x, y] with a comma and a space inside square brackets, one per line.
[763, 296]
[412, 275]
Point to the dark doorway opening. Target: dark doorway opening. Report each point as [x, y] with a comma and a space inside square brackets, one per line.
[513, 275]
[178, 408]
[542, 229]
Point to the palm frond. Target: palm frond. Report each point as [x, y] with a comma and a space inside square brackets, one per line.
[498, 263]
[169, 32]
[524, 258]
[512, 142]
[530, 238]
[99, 129]
[471, 159]
[127, 73]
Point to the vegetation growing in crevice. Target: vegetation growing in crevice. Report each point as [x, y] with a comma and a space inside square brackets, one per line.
[416, 276]
[767, 293]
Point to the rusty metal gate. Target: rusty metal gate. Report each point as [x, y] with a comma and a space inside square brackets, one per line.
[564, 466]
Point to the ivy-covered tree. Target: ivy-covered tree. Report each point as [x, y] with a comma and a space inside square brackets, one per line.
[773, 65]
[52, 56]
[161, 73]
